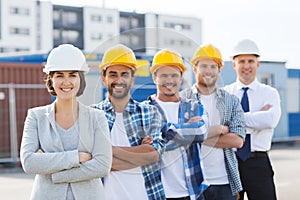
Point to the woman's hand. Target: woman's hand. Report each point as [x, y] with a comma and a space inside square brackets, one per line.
[83, 156]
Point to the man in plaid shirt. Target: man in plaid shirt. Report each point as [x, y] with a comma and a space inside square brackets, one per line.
[135, 172]
[183, 131]
[226, 126]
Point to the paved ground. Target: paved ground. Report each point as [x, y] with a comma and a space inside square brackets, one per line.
[286, 164]
[15, 185]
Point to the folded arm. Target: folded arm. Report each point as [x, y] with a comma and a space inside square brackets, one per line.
[101, 158]
[268, 115]
[134, 156]
[34, 162]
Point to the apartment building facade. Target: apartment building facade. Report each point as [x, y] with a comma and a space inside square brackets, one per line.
[27, 25]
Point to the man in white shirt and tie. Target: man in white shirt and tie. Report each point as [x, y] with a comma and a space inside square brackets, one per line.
[262, 115]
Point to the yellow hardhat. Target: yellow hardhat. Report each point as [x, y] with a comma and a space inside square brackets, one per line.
[118, 55]
[208, 51]
[167, 57]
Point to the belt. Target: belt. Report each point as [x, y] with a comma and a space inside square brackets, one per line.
[257, 154]
[180, 198]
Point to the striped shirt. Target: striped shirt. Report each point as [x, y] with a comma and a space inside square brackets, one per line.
[231, 115]
[141, 120]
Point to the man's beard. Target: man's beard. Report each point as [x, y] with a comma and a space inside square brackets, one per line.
[172, 93]
[121, 95]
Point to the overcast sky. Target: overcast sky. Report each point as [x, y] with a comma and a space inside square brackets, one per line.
[273, 24]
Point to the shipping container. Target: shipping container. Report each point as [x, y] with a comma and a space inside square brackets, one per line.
[21, 87]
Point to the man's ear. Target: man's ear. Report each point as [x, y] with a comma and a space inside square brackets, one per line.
[258, 64]
[132, 81]
[154, 78]
[195, 69]
[233, 64]
[103, 79]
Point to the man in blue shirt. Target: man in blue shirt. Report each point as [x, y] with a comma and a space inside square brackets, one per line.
[135, 172]
[183, 132]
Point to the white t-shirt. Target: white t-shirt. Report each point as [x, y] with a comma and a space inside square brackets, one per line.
[173, 176]
[214, 168]
[126, 184]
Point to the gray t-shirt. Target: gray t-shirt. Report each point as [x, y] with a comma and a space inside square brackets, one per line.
[69, 139]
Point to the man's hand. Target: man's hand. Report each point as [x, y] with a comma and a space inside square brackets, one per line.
[147, 140]
[266, 107]
[39, 151]
[218, 130]
[224, 129]
[195, 119]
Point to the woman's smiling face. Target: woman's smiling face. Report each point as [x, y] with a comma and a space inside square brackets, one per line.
[66, 84]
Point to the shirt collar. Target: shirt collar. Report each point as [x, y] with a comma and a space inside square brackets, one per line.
[251, 86]
[131, 106]
[154, 100]
[194, 89]
[218, 92]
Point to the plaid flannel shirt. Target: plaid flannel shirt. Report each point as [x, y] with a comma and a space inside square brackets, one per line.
[231, 115]
[141, 120]
[190, 154]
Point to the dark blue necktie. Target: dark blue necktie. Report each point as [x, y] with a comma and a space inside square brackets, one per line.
[245, 151]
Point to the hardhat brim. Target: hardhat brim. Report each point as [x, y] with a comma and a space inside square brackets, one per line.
[245, 53]
[217, 60]
[105, 66]
[49, 68]
[181, 67]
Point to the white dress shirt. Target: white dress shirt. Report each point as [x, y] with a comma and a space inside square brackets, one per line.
[260, 124]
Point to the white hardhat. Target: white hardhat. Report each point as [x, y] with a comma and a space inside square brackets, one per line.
[66, 57]
[245, 46]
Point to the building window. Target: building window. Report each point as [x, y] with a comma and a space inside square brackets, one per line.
[21, 49]
[266, 78]
[177, 26]
[70, 36]
[66, 18]
[134, 23]
[186, 26]
[56, 34]
[109, 19]
[5, 49]
[65, 35]
[96, 36]
[69, 18]
[131, 40]
[96, 18]
[124, 39]
[135, 40]
[19, 11]
[19, 31]
[177, 42]
[109, 36]
[124, 24]
[56, 15]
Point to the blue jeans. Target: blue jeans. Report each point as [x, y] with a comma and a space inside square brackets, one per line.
[218, 192]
